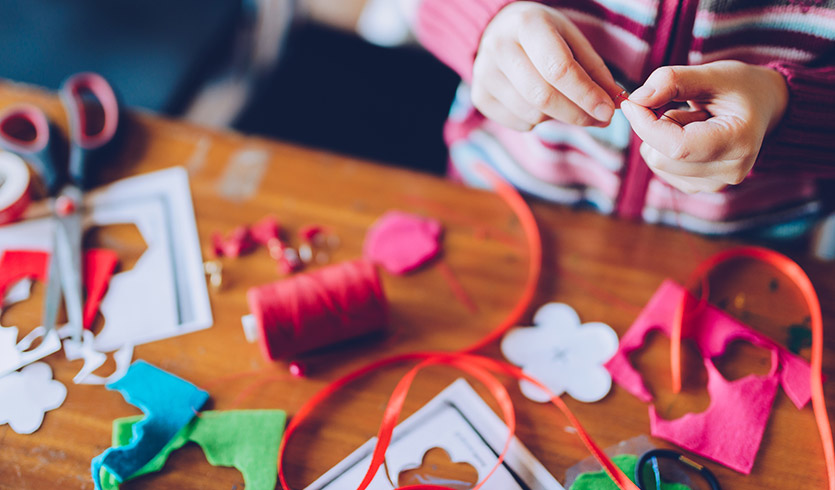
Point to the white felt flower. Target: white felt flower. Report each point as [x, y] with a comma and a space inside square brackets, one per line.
[27, 394]
[562, 354]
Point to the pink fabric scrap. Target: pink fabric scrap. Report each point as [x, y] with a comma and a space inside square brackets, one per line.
[402, 242]
[731, 429]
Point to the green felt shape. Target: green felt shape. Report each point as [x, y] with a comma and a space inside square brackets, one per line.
[247, 440]
[600, 480]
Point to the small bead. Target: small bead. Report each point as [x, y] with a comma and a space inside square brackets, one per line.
[297, 369]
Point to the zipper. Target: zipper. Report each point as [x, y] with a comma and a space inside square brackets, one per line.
[673, 37]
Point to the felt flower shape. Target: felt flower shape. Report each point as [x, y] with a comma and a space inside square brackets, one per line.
[26, 395]
[562, 354]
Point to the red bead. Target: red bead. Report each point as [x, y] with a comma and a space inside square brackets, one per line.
[297, 369]
[309, 232]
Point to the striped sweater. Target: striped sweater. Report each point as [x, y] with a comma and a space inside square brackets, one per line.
[602, 166]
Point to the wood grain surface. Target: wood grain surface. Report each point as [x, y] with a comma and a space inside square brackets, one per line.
[605, 268]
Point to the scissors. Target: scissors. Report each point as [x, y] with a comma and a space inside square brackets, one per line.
[93, 113]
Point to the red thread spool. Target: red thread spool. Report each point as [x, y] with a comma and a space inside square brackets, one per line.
[318, 309]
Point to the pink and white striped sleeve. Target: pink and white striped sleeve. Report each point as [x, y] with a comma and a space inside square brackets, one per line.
[451, 29]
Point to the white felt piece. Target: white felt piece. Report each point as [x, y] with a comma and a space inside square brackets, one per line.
[595, 342]
[563, 354]
[553, 374]
[26, 395]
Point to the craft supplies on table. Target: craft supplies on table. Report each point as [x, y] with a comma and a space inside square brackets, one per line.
[348, 204]
[25, 130]
[460, 422]
[165, 292]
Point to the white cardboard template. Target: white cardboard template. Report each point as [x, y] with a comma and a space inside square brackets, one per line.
[461, 423]
[165, 293]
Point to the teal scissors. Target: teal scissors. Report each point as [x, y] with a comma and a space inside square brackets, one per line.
[93, 113]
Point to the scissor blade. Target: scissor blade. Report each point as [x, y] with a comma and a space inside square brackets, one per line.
[69, 255]
[52, 299]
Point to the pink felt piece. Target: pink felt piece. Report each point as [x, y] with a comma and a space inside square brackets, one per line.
[401, 242]
[731, 429]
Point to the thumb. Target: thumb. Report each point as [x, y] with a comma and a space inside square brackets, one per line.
[674, 84]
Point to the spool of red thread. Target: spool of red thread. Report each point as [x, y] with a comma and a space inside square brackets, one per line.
[317, 309]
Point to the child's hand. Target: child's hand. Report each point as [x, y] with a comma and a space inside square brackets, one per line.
[533, 64]
[733, 106]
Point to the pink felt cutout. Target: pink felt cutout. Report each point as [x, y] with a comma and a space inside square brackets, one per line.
[730, 430]
[402, 242]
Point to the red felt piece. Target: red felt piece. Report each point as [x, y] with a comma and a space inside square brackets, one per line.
[99, 265]
[16, 265]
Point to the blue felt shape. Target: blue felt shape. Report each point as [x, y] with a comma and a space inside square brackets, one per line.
[169, 403]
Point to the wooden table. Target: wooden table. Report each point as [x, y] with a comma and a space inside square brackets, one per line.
[605, 268]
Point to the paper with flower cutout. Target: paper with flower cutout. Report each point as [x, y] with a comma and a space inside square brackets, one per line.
[26, 395]
[562, 354]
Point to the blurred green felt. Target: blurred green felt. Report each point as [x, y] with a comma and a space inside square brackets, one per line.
[244, 439]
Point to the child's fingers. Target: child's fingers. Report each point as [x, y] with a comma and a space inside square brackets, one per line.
[700, 141]
[690, 185]
[698, 176]
[675, 83]
[492, 108]
[555, 61]
[528, 81]
[588, 58]
[683, 117]
[500, 87]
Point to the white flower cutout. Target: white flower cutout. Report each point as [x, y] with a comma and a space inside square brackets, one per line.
[562, 354]
[26, 395]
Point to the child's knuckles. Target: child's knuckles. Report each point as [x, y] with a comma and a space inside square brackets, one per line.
[542, 96]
